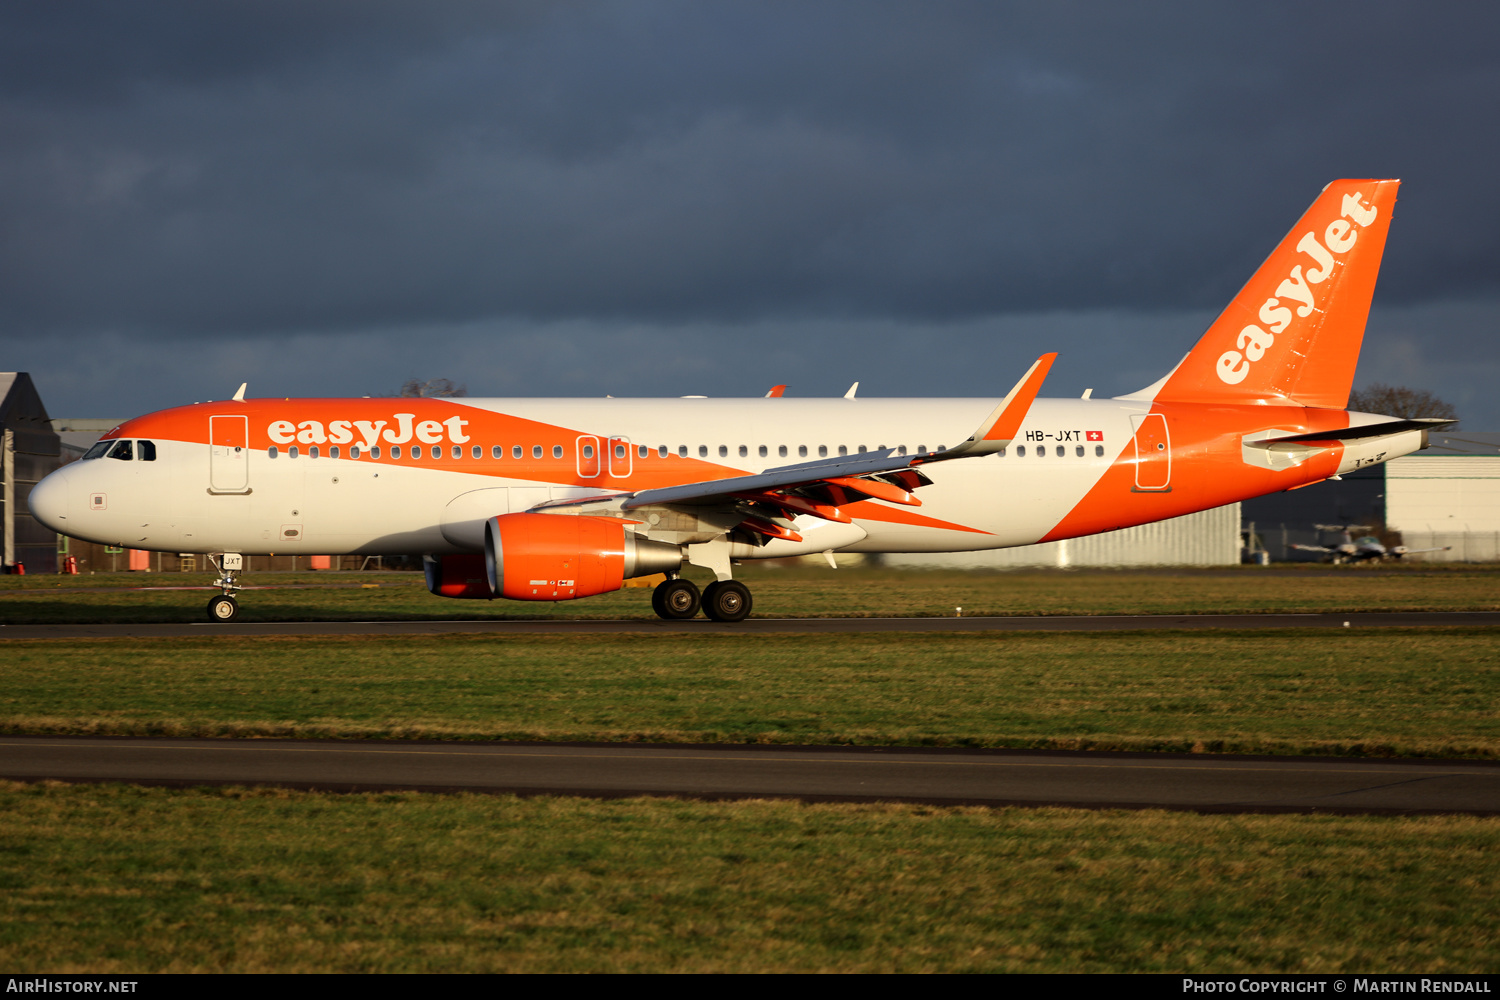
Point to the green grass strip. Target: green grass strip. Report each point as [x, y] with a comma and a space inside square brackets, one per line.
[1408, 692]
[794, 592]
[109, 879]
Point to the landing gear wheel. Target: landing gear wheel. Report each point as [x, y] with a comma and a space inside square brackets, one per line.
[676, 599]
[727, 601]
[222, 608]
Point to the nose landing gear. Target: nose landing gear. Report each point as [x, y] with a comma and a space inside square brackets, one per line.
[224, 607]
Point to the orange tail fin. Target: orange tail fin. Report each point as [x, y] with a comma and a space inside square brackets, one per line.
[1292, 334]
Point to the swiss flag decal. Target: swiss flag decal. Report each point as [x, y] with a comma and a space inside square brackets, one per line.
[1096, 435]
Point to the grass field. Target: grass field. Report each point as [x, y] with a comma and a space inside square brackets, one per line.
[784, 592]
[1429, 692]
[117, 879]
[114, 879]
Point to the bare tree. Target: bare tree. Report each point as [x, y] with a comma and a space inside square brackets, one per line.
[414, 388]
[1399, 401]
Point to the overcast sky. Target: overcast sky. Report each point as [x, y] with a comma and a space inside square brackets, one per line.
[645, 198]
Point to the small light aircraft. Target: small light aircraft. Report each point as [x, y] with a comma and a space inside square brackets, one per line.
[1366, 548]
[557, 499]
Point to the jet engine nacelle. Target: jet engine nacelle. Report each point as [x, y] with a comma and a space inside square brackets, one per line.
[458, 576]
[559, 557]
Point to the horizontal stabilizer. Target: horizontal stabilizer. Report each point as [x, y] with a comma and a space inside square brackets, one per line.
[1367, 430]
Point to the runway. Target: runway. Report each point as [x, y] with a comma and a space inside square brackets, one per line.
[759, 626]
[1201, 783]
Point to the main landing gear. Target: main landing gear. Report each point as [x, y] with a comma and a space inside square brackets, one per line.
[722, 600]
[224, 607]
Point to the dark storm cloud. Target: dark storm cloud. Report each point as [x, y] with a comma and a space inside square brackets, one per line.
[175, 169]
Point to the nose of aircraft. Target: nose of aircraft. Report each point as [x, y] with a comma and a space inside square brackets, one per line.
[49, 501]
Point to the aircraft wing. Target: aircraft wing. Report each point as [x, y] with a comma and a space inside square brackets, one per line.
[883, 475]
[786, 477]
[766, 503]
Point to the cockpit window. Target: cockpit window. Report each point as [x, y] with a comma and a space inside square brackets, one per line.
[123, 450]
[147, 450]
[97, 451]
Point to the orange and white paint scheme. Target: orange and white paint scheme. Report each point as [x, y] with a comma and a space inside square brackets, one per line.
[556, 499]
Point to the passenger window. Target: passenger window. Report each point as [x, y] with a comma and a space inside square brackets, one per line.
[333, 452]
[1041, 451]
[476, 452]
[588, 451]
[744, 451]
[122, 450]
[843, 449]
[395, 451]
[557, 451]
[148, 450]
[292, 451]
[458, 452]
[375, 451]
[354, 451]
[1020, 451]
[1079, 451]
[643, 451]
[764, 451]
[822, 451]
[536, 451]
[312, 452]
[682, 451]
[272, 452]
[662, 452]
[497, 451]
[802, 451]
[703, 451]
[437, 451]
[1061, 451]
[515, 451]
[1099, 451]
[861, 449]
[619, 451]
[921, 449]
[1000, 453]
[416, 453]
[723, 451]
[901, 449]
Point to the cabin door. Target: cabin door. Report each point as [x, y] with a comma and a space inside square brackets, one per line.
[1153, 453]
[229, 454]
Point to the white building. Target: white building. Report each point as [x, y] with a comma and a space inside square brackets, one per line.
[1438, 498]
[1207, 538]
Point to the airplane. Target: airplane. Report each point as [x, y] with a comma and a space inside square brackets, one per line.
[1366, 548]
[560, 499]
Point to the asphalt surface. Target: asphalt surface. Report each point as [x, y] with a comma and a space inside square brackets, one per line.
[761, 626]
[1203, 783]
